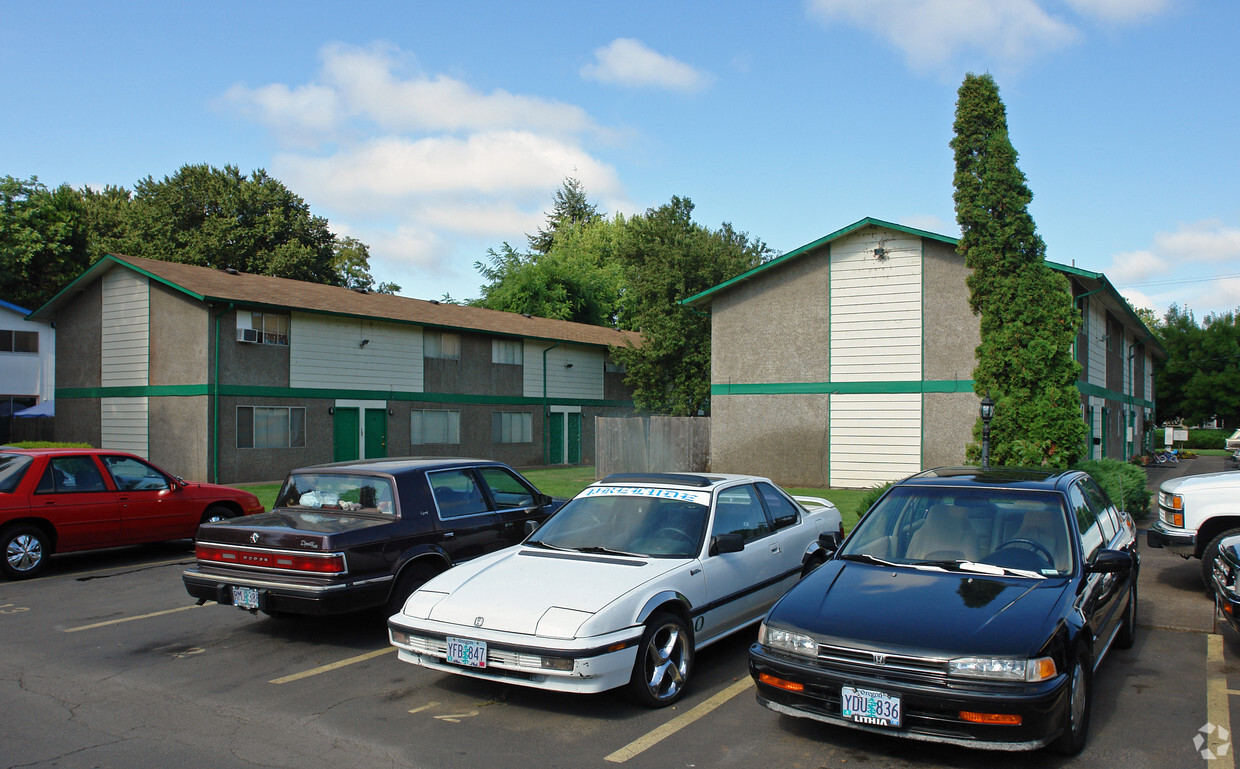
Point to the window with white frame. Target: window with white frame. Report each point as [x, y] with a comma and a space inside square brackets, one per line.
[434, 426]
[436, 344]
[265, 427]
[509, 351]
[19, 341]
[263, 328]
[512, 427]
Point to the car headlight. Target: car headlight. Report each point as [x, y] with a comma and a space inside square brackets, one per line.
[1003, 668]
[786, 640]
[421, 602]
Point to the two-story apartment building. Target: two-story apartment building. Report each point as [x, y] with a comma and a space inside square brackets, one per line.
[849, 361]
[233, 377]
[27, 362]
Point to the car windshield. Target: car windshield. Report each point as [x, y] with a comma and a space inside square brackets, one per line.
[337, 491]
[630, 524]
[12, 469]
[1017, 531]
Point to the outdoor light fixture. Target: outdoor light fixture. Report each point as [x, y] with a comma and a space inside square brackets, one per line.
[364, 343]
[568, 365]
[988, 413]
[880, 253]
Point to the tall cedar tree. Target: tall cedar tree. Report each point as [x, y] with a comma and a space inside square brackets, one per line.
[1028, 316]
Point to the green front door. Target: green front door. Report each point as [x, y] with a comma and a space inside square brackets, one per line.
[345, 435]
[574, 438]
[555, 435]
[376, 433]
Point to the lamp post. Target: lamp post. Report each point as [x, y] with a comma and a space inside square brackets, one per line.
[988, 413]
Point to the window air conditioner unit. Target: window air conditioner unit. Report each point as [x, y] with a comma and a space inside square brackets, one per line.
[250, 335]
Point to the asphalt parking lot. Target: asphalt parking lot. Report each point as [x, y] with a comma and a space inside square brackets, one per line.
[108, 663]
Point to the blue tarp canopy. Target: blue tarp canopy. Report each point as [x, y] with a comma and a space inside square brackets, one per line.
[44, 409]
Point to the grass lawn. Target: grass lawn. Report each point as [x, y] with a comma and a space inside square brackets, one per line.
[567, 481]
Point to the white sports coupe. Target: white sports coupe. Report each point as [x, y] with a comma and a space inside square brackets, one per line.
[621, 586]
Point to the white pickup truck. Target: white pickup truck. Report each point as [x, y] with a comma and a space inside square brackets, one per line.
[1195, 512]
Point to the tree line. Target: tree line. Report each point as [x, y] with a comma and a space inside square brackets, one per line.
[1200, 379]
[212, 217]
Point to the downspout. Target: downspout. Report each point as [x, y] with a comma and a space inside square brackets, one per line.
[215, 400]
[546, 409]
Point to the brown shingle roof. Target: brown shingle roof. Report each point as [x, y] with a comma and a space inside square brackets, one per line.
[263, 290]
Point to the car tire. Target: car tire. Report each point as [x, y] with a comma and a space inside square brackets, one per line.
[1127, 634]
[217, 513]
[1080, 702]
[24, 550]
[664, 661]
[1209, 555]
[410, 579]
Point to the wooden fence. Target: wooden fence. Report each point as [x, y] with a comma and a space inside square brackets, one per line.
[651, 444]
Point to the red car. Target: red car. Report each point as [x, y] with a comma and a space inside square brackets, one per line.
[61, 500]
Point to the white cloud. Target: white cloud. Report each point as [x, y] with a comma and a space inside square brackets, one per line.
[931, 223]
[424, 168]
[932, 33]
[1208, 241]
[628, 62]
[1135, 267]
[1194, 266]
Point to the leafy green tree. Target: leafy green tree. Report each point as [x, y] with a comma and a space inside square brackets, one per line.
[351, 262]
[1200, 379]
[44, 236]
[571, 209]
[668, 257]
[1028, 318]
[221, 218]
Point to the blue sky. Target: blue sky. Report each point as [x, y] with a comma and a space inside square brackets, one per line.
[434, 131]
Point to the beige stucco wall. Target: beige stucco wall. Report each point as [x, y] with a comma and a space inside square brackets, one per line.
[947, 427]
[783, 437]
[179, 435]
[951, 330]
[773, 328]
[179, 338]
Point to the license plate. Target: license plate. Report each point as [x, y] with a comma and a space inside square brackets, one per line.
[245, 597]
[867, 706]
[463, 651]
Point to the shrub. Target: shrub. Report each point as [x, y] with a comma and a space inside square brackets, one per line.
[1198, 439]
[870, 497]
[48, 445]
[1124, 483]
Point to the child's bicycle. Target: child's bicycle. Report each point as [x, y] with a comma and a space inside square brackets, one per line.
[1167, 456]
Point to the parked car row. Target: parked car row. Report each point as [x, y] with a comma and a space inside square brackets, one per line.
[968, 607]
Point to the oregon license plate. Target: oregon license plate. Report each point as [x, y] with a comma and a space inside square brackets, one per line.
[245, 597]
[463, 651]
[867, 706]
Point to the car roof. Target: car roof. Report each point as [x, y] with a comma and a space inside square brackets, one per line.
[678, 480]
[1027, 478]
[399, 465]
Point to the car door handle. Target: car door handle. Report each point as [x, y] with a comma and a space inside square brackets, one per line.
[449, 534]
[775, 549]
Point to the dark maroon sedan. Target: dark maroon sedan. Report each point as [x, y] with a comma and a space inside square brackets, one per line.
[62, 500]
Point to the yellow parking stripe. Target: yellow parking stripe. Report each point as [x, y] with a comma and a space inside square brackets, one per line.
[650, 739]
[332, 666]
[1218, 709]
[131, 619]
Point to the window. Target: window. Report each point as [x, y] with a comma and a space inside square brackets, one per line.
[783, 511]
[338, 491]
[507, 491]
[19, 341]
[612, 367]
[439, 345]
[261, 427]
[738, 511]
[511, 427]
[262, 328]
[456, 493]
[1086, 522]
[68, 475]
[131, 474]
[507, 351]
[434, 426]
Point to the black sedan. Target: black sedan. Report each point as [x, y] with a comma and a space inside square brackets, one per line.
[355, 535]
[966, 607]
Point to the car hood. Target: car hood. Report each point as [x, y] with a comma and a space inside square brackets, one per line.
[953, 613]
[1227, 480]
[516, 589]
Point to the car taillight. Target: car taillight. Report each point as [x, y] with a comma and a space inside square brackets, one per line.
[315, 563]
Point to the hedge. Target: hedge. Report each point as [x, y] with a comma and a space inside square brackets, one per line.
[1124, 483]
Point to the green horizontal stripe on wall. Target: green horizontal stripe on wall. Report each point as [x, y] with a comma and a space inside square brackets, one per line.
[240, 391]
[1101, 392]
[844, 388]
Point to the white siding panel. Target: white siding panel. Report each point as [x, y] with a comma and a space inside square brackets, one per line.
[123, 424]
[326, 353]
[876, 308]
[1097, 345]
[875, 438]
[124, 354]
[583, 379]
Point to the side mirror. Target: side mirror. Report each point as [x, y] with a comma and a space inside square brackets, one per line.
[726, 543]
[827, 541]
[784, 521]
[1110, 562]
[531, 527]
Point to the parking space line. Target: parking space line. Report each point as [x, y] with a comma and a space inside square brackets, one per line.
[1218, 709]
[650, 739]
[331, 667]
[131, 619]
